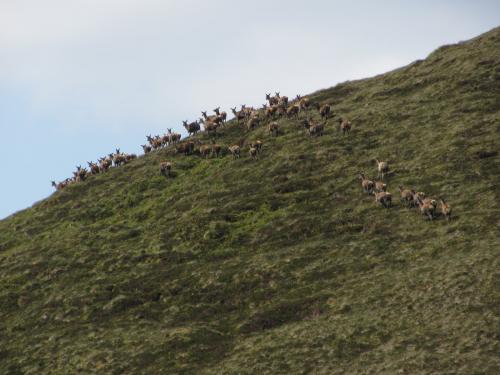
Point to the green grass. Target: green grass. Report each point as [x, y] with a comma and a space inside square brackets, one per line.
[280, 265]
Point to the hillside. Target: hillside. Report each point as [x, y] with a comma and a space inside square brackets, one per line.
[281, 264]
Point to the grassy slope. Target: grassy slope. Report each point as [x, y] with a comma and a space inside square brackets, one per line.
[280, 265]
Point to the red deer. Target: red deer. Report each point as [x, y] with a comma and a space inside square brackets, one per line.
[173, 138]
[221, 115]
[94, 168]
[192, 128]
[210, 127]
[105, 164]
[271, 99]
[118, 158]
[325, 111]
[80, 174]
[60, 185]
[205, 150]
[253, 152]
[283, 101]
[165, 168]
[185, 148]
[380, 186]
[406, 196]
[384, 198]
[273, 128]
[235, 151]
[445, 209]
[269, 112]
[304, 104]
[239, 115]
[130, 157]
[316, 129]
[345, 126]
[382, 168]
[252, 123]
[216, 150]
[257, 145]
[293, 111]
[427, 207]
[367, 185]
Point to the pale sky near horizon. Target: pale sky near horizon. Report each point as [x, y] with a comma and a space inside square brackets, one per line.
[79, 78]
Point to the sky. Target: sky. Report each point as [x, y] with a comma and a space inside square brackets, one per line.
[79, 78]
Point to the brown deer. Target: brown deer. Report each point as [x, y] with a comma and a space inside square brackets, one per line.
[325, 111]
[273, 128]
[367, 185]
[165, 168]
[382, 168]
[445, 209]
[345, 126]
[235, 151]
[384, 198]
[192, 128]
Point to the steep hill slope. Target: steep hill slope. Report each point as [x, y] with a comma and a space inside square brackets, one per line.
[279, 265]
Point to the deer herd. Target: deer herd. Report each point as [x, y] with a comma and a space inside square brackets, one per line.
[104, 164]
[408, 197]
[276, 107]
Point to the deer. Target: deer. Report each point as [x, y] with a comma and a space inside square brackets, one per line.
[445, 209]
[271, 99]
[105, 164]
[192, 128]
[273, 128]
[257, 145]
[165, 168]
[380, 186]
[185, 148]
[205, 150]
[283, 101]
[80, 174]
[325, 111]
[216, 149]
[59, 185]
[118, 158]
[269, 112]
[406, 196]
[239, 115]
[427, 207]
[210, 127]
[304, 103]
[382, 168]
[253, 152]
[316, 129]
[94, 168]
[345, 126]
[384, 198]
[208, 118]
[252, 123]
[367, 185]
[235, 151]
[173, 138]
[221, 115]
[293, 111]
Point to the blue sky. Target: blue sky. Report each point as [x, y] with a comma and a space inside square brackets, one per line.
[79, 78]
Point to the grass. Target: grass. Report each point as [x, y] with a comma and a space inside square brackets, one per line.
[280, 265]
